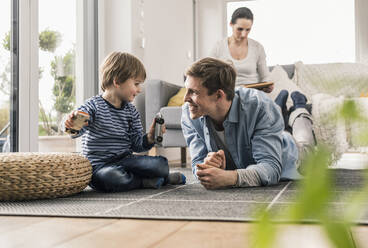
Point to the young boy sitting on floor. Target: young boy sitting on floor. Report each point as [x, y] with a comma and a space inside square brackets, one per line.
[114, 131]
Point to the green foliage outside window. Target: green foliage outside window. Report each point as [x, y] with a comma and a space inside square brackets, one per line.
[64, 81]
[49, 40]
[64, 86]
[6, 41]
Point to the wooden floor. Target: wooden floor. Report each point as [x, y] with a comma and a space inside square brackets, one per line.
[85, 232]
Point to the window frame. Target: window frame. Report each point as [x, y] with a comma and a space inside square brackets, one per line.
[26, 110]
[14, 84]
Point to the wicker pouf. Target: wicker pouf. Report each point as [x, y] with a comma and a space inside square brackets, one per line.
[26, 176]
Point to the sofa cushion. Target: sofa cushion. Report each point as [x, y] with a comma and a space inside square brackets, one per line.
[289, 69]
[282, 81]
[334, 131]
[347, 79]
[357, 130]
[329, 129]
[177, 99]
[174, 138]
[172, 117]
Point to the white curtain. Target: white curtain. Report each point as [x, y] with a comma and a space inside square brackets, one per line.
[361, 10]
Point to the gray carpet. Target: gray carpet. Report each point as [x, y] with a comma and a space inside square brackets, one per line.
[184, 202]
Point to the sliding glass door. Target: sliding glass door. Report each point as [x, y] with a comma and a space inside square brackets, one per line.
[5, 75]
[48, 62]
[57, 81]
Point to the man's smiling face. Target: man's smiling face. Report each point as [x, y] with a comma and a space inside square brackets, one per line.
[200, 103]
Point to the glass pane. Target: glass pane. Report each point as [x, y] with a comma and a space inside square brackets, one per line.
[5, 74]
[57, 39]
[293, 31]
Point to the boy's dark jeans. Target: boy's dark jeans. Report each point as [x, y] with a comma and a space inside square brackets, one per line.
[127, 173]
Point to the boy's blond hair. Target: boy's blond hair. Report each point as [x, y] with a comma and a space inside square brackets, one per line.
[121, 67]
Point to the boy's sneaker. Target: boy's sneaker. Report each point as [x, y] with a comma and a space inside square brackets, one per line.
[153, 183]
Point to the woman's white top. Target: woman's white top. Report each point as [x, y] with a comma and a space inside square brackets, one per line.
[252, 69]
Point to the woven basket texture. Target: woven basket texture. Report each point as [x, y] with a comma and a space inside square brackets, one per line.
[25, 176]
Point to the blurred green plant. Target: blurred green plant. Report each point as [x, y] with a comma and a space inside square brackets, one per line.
[5, 80]
[4, 117]
[315, 192]
[45, 121]
[62, 69]
[6, 41]
[49, 40]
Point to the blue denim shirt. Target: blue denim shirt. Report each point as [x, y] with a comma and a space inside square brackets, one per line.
[255, 137]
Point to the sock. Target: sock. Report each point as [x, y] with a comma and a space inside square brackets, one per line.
[176, 178]
[281, 101]
[153, 183]
[282, 98]
[299, 99]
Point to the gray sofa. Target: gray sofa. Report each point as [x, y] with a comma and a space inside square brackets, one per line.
[157, 95]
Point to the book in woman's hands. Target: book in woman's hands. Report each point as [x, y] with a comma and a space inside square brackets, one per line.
[258, 85]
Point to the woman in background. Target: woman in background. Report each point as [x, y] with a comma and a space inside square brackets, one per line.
[247, 55]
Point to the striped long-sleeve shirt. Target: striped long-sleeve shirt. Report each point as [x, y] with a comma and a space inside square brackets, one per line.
[112, 133]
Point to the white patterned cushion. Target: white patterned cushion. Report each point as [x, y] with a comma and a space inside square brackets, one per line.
[357, 131]
[329, 130]
[338, 134]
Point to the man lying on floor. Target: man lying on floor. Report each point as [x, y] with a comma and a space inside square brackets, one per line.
[236, 137]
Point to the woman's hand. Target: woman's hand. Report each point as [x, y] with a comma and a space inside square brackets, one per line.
[268, 89]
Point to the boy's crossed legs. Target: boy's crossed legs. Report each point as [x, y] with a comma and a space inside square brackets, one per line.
[133, 172]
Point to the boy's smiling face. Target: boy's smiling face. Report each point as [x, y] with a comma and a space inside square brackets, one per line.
[128, 90]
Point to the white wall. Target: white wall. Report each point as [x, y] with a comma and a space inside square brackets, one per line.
[169, 38]
[210, 27]
[115, 26]
[165, 30]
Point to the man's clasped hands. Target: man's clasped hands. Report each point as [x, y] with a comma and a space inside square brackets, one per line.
[212, 172]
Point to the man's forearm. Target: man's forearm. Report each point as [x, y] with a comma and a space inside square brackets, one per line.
[248, 178]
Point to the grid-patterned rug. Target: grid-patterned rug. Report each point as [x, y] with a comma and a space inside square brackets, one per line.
[184, 202]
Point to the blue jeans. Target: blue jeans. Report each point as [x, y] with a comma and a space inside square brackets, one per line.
[128, 172]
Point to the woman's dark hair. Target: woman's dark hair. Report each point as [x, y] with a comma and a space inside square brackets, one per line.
[242, 12]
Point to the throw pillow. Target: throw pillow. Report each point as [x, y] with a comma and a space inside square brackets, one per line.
[357, 130]
[177, 99]
[282, 82]
[340, 135]
[328, 128]
[346, 79]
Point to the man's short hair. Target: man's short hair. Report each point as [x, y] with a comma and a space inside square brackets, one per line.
[214, 74]
[121, 67]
